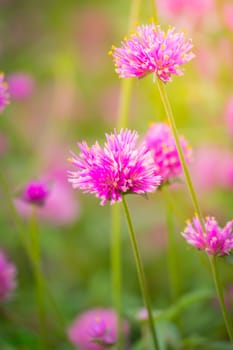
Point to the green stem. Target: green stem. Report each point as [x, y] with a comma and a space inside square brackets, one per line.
[171, 119]
[141, 274]
[123, 115]
[116, 266]
[35, 253]
[126, 88]
[218, 287]
[25, 242]
[126, 84]
[154, 10]
[172, 257]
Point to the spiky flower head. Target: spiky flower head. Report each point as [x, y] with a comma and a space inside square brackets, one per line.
[4, 95]
[151, 50]
[35, 192]
[96, 329]
[7, 277]
[120, 167]
[161, 143]
[214, 240]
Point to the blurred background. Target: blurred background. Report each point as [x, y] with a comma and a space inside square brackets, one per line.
[63, 89]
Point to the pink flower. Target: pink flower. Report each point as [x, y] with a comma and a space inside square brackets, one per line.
[214, 240]
[35, 192]
[151, 50]
[161, 143]
[119, 168]
[60, 207]
[228, 14]
[4, 95]
[7, 277]
[21, 85]
[196, 8]
[95, 329]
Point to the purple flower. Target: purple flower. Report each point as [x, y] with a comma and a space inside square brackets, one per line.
[21, 85]
[118, 168]
[35, 192]
[161, 143]
[151, 50]
[214, 240]
[96, 329]
[7, 277]
[4, 95]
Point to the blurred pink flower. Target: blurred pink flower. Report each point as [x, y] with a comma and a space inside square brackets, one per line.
[228, 115]
[21, 85]
[207, 62]
[4, 95]
[92, 34]
[61, 207]
[194, 8]
[214, 240]
[228, 14]
[7, 277]
[151, 50]
[212, 167]
[161, 143]
[95, 324]
[35, 192]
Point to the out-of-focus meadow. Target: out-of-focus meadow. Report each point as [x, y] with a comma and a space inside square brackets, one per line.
[63, 89]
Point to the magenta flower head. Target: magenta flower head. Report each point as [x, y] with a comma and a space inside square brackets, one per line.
[21, 85]
[151, 50]
[4, 95]
[214, 240]
[161, 143]
[118, 168]
[7, 277]
[35, 193]
[96, 329]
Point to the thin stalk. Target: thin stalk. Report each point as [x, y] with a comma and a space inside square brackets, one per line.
[154, 10]
[40, 297]
[123, 115]
[116, 267]
[172, 258]
[124, 103]
[219, 291]
[126, 84]
[141, 274]
[25, 242]
[171, 119]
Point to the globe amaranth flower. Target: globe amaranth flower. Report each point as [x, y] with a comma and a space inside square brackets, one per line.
[35, 192]
[120, 167]
[214, 240]
[4, 95]
[7, 277]
[151, 50]
[161, 143]
[96, 329]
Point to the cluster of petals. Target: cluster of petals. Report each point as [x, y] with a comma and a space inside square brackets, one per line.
[4, 94]
[151, 50]
[35, 192]
[161, 143]
[120, 167]
[213, 239]
[7, 277]
[96, 329]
